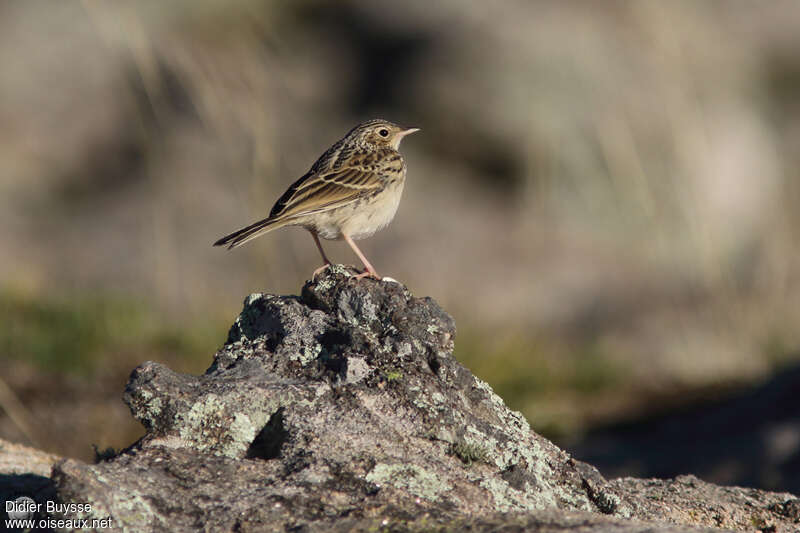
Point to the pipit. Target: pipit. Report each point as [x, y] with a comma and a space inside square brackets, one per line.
[351, 192]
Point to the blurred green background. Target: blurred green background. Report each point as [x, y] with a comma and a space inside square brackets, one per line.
[604, 195]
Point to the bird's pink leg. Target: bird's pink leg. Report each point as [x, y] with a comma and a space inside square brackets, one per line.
[370, 270]
[322, 252]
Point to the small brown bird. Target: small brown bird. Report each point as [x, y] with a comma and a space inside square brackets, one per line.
[351, 192]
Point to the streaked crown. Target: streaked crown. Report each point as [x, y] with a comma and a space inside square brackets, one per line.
[379, 132]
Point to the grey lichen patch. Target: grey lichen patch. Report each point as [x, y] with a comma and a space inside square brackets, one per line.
[420, 400]
[369, 310]
[306, 354]
[404, 349]
[357, 311]
[412, 478]
[327, 283]
[491, 395]
[357, 369]
[539, 464]
[316, 475]
[152, 402]
[514, 451]
[507, 498]
[131, 511]
[208, 427]
[443, 434]
[242, 430]
[242, 327]
[336, 269]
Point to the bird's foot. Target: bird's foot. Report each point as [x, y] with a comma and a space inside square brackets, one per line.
[319, 271]
[368, 273]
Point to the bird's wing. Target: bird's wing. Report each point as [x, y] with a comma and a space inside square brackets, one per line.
[333, 186]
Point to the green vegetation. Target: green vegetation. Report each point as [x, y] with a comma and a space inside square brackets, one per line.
[519, 367]
[77, 334]
[393, 375]
[469, 452]
[534, 374]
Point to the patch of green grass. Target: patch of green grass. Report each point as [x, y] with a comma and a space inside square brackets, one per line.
[519, 365]
[393, 375]
[525, 370]
[78, 333]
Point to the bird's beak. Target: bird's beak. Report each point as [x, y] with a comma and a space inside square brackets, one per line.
[399, 136]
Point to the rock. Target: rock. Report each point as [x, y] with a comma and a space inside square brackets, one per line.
[25, 473]
[344, 409]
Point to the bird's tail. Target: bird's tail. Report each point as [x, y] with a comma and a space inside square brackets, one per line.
[238, 238]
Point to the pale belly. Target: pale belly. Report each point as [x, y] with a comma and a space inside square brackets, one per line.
[360, 219]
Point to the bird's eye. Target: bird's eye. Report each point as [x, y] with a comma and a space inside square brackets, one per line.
[383, 132]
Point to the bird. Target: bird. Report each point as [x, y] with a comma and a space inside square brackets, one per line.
[352, 191]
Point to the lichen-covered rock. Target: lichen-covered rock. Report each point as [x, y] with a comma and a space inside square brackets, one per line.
[343, 408]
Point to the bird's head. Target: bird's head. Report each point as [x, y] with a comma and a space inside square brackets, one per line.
[380, 132]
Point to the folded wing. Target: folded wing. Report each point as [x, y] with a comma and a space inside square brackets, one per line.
[330, 187]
